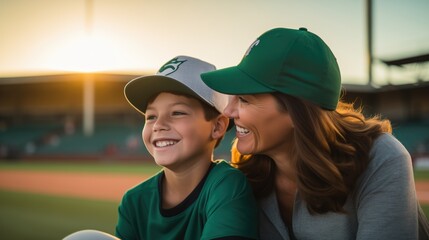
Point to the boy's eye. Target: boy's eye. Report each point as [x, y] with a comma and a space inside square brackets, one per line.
[150, 117]
[178, 113]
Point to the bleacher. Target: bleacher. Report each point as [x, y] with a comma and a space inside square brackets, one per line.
[19, 135]
[20, 138]
[413, 135]
[121, 139]
[51, 139]
[107, 139]
[43, 140]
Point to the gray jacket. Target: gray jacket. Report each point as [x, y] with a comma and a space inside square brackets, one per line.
[383, 205]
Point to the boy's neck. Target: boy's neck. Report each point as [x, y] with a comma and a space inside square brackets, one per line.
[177, 185]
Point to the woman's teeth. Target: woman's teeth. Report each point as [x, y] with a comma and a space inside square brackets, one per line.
[242, 130]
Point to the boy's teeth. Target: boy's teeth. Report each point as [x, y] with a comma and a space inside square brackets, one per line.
[242, 130]
[164, 143]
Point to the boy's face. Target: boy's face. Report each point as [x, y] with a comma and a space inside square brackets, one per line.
[176, 133]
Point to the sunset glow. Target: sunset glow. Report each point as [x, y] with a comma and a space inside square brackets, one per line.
[84, 54]
[42, 37]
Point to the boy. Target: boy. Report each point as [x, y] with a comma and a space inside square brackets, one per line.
[192, 197]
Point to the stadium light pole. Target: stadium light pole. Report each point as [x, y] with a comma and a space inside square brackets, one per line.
[88, 80]
[369, 39]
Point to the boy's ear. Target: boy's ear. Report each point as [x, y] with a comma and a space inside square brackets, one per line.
[220, 126]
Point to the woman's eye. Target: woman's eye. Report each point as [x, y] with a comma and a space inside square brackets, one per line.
[241, 99]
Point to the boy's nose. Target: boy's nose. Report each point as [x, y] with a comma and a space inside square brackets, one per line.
[160, 125]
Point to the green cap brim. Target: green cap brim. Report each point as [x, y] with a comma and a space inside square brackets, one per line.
[233, 81]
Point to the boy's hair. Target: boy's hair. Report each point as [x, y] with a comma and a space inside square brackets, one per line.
[210, 112]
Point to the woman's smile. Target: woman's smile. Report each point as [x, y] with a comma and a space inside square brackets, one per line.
[241, 131]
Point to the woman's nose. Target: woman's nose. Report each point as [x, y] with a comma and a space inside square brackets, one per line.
[231, 108]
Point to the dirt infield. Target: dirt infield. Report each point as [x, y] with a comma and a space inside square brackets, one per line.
[422, 188]
[101, 186]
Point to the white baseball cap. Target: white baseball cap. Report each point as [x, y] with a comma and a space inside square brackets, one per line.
[90, 234]
[182, 75]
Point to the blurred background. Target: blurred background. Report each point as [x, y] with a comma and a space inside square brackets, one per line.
[64, 63]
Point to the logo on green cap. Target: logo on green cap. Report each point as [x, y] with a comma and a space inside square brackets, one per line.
[255, 43]
[171, 66]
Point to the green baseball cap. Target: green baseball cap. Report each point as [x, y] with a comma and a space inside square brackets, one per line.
[290, 61]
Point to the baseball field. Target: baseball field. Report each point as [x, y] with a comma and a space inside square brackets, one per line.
[52, 200]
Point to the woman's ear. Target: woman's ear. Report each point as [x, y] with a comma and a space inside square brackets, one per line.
[220, 126]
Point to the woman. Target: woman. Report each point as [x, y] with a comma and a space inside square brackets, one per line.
[318, 167]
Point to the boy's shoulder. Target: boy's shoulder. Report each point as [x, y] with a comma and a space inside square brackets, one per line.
[223, 179]
[223, 171]
[144, 188]
[223, 166]
[222, 174]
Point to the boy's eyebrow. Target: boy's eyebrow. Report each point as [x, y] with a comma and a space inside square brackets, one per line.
[172, 105]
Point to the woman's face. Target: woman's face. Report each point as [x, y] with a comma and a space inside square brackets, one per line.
[261, 127]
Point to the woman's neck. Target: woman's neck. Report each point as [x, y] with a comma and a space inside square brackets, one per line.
[285, 168]
[285, 187]
[285, 163]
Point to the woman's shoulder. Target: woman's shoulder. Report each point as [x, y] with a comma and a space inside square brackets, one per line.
[386, 147]
[387, 157]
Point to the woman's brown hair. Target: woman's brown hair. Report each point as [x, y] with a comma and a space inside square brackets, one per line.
[331, 150]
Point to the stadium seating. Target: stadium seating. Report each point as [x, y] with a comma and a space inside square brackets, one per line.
[122, 139]
[19, 135]
[412, 135]
[107, 139]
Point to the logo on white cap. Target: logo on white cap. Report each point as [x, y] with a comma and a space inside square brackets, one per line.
[171, 66]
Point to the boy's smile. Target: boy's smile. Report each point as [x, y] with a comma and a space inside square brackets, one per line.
[164, 143]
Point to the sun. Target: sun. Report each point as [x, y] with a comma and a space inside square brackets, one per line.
[85, 54]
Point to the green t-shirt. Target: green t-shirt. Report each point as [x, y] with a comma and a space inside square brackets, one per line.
[221, 205]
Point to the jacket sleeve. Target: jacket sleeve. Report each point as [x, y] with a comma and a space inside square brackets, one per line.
[386, 199]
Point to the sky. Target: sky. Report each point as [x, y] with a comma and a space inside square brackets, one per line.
[138, 36]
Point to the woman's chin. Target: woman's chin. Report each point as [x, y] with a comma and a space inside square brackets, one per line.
[244, 149]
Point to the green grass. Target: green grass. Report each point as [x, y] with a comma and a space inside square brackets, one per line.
[37, 216]
[131, 168]
[426, 210]
[421, 175]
